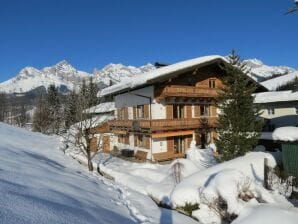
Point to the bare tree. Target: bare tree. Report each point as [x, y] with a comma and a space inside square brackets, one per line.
[84, 133]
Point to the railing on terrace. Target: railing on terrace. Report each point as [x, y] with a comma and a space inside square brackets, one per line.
[165, 124]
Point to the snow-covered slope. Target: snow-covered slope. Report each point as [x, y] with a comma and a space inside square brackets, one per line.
[39, 184]
[260, 71]
[66, 76]
[273, 84]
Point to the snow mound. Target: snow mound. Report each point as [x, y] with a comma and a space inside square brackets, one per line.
[287, 134]
[267, 213]
[203, 157]
[252, 164]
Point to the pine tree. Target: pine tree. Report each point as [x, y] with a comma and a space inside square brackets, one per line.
[239, 125]
[92, 93]
[54, 109]
[71, 109]
[41, 116]
[3, 106]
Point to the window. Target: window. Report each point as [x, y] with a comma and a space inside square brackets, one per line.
[140, 111]
[179, 144]
[124, 139]
[205, 110]
[271, 111]
[122, 113]
[212, 83]
[142, 141]
[178, 111]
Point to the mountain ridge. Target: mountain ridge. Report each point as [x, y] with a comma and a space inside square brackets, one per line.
[63, 74]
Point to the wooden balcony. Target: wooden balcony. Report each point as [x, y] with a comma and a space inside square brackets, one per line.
[164, 124]
[186, 91]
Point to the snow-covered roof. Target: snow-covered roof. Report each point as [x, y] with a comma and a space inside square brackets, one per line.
[287, 134]
[163, 72]
[276, 96]
[101, 108]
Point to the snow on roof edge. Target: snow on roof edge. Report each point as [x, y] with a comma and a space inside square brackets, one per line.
[158, 73]
[275, 96]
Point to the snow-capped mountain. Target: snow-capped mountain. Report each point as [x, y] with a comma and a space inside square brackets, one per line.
[261, 72]
[114, 73]
[67, 77]
[62, 74]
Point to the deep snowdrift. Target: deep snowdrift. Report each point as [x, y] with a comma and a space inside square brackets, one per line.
[39, 184]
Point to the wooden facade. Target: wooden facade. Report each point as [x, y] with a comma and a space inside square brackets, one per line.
[189, 101]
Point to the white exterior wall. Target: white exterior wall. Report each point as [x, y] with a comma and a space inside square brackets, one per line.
[284, 113]
[159, 145]
[158, 110]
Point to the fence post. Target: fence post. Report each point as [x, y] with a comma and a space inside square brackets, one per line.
[266, 172]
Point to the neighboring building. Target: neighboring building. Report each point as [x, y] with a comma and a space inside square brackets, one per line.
[280, 109]
[100, 115]
[160, 113]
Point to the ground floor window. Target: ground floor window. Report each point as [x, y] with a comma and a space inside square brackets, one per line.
[179, 144]
[124, 139]
[142, 141]
[203, 138]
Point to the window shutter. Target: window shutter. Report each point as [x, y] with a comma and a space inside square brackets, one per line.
[169, 109]
[196, 111]
[146, 111]
[188, 111]
[147, 142]
[134, 109]
[125, 112]
[136, 140]
[170, 144]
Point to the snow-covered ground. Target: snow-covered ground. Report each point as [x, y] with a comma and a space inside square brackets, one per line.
[39, 184]
[201, 181]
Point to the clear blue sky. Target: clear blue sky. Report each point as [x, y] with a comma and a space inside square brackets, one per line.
[93, 33]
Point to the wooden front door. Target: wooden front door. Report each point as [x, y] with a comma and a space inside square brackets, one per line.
[106, 144]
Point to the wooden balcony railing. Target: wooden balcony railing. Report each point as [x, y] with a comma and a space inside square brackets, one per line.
[164, 124]
[186, 91]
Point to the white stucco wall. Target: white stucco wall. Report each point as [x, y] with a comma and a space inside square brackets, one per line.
[159, 145]
[158, 110]
[284, 113]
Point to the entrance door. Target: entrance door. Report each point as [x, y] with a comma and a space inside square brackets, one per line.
[179, 145]
[106, 144]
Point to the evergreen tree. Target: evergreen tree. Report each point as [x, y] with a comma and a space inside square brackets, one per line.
[41, 116]
[239, 126]
[54, 109]
[92, 93]
[71, 109]
[3, 106]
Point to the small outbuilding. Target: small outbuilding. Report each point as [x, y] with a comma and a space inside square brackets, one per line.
[288, 136]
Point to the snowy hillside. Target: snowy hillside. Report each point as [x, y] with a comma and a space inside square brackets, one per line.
[260, 71]
[273, 84]
[66, 76]
[39, 184]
